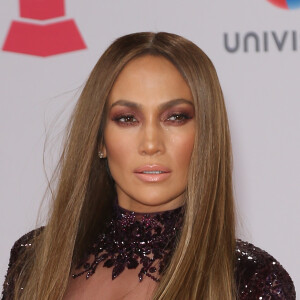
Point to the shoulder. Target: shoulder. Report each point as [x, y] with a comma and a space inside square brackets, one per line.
[22, 243]
[19, 247]
[260, 276]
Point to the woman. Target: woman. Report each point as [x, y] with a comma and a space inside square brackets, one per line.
[144, 205]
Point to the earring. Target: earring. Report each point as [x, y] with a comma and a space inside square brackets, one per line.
[100, 154]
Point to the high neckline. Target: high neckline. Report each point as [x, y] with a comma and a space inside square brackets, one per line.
[118, 210]
[135, 240]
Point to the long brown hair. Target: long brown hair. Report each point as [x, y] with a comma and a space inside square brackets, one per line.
[202, 266]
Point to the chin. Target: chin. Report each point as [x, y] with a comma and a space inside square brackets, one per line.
[156, 200]
[152, 196]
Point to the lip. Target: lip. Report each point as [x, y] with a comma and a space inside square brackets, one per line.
[152, 168]
[152, 177]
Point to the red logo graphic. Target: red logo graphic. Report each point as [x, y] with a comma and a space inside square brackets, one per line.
[43, 39]
[286, 4]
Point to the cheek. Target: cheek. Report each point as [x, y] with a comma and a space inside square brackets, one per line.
[118, 146]
[181, 148]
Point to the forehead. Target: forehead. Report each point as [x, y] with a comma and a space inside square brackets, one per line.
[149, 79]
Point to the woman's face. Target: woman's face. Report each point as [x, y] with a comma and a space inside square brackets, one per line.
[149, 135]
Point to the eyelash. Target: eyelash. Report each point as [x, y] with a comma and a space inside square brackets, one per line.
[183, 119]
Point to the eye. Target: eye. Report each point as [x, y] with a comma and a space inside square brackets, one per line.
[125, 120]
[178, 117]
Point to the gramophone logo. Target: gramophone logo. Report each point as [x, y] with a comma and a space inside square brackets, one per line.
[286, 4]
[40, 32]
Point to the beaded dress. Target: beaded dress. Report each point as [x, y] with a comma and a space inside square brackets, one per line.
[145, 242]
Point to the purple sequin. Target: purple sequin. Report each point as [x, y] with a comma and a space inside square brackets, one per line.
[258, 275]
[133, 240]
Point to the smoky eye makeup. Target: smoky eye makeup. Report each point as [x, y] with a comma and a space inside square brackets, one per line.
[125, 117]
[171, 116]
[178, 115]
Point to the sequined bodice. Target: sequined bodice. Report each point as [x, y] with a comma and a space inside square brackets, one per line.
[145, 242]
[135, 241]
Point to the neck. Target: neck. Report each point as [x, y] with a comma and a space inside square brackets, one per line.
[145, 212]
[147, 222]
[146, 209]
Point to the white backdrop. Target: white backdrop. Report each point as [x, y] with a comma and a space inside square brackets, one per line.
[261, 88]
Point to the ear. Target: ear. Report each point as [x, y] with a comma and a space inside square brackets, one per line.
[102, 149]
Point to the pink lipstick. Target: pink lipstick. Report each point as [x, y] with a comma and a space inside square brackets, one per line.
[152, 173]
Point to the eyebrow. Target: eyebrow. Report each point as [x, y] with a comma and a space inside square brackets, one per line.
[162, 106]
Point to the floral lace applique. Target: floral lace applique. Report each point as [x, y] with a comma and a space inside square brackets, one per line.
[132, 240]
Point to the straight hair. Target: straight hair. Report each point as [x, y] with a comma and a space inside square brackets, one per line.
[202, 265]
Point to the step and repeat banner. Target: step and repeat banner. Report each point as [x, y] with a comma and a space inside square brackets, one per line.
[48, 48]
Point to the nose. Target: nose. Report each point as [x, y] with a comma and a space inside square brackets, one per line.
[151, 139]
